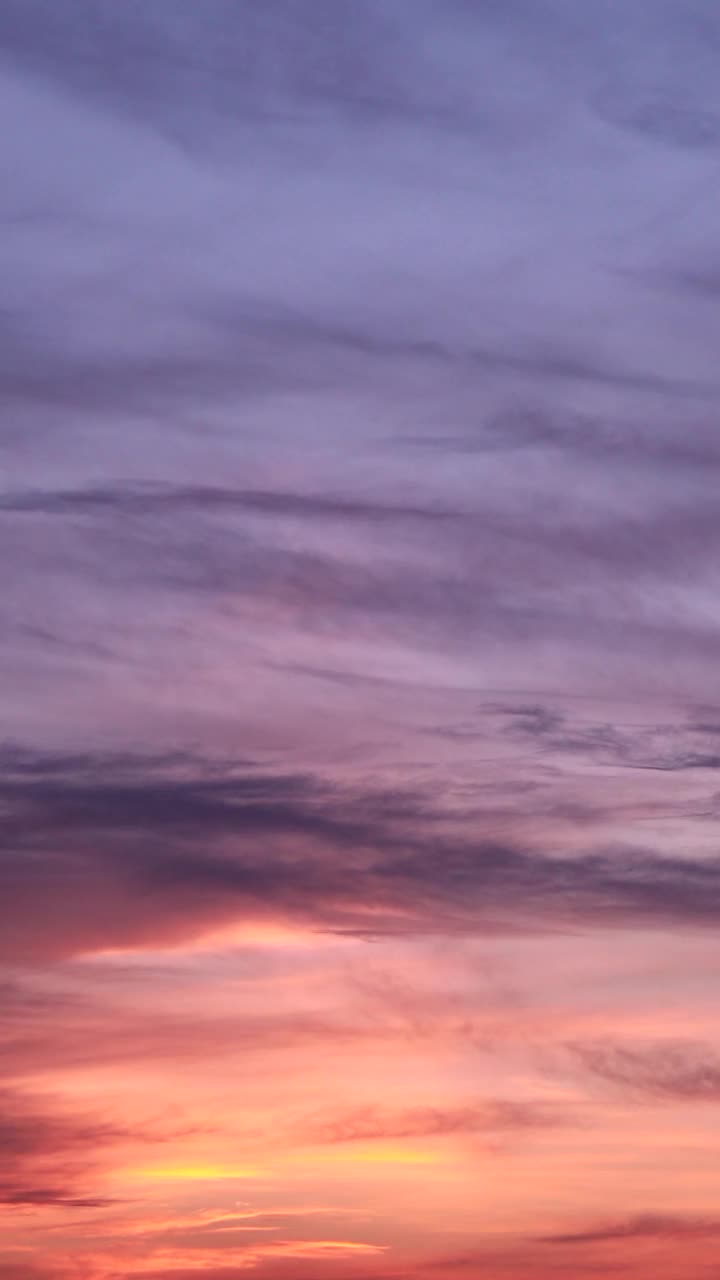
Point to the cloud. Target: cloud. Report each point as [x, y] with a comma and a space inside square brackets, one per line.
[95, 860]
[670, 748]
[103, 1032]
[570, 435]
[51, 1157]
[171, 1263]
[673, 1071]
[658, 117]
[370, 1123]
[642, 1227]
[151, 337]
[428, 589]
[148, 501]
[370, 342]
[56, 1156]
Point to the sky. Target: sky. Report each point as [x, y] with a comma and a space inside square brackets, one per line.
[360, 598]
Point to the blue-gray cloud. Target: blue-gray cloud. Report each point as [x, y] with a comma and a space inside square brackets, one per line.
[149, 850]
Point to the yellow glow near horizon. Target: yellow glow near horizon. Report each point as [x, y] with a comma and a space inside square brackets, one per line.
[196, 1173]
[366, 1154]
[375, 1154]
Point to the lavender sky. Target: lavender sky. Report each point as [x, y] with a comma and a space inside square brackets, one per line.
[360, 736]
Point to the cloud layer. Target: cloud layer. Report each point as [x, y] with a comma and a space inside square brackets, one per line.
[358, 596]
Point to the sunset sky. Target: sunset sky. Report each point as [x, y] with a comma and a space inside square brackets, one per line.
[360, 645]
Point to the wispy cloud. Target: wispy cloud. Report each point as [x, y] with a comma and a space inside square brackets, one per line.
[362, 862]
[52, 1157]
[642, 1227]
[367, 1124]
[674, 1071]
